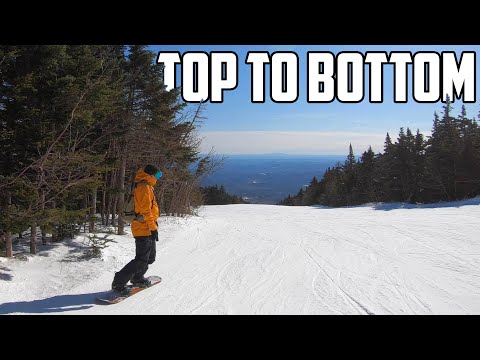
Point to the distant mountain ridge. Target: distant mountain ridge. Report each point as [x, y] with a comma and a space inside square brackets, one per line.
[266, 179]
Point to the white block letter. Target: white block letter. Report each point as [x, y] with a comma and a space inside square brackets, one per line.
[458, 81]
[426, 83]
[376, 61]
[400, 61]
[220, 79]
[284, 77]
[169, 59]
[350, 77]
[258, 61]
[195, 77]
[320, 82]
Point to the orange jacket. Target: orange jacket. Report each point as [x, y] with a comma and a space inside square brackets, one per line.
[145, 204]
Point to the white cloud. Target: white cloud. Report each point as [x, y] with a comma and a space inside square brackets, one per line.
[290, 142]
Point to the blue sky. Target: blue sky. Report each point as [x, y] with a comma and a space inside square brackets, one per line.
[238, 126]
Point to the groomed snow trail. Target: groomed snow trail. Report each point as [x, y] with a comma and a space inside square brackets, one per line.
[262, 259]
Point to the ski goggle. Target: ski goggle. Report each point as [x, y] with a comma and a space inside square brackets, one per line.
[158, 175]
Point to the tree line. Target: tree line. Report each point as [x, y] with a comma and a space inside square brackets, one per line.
[444, 166]
[76, 122]
[215, 195]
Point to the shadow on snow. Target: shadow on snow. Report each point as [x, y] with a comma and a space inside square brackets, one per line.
[59, 303]
[4, 274]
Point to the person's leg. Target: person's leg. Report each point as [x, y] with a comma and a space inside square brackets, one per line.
[153, 251]
[137, 265]
[146, 249]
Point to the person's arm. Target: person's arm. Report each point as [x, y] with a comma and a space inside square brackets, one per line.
[145, 198]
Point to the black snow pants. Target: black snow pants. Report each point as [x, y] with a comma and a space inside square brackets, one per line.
[145, 253]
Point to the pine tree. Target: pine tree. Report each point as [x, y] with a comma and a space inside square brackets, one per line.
[367, 177]
[442, 155]
[387, 144]
[351, 157]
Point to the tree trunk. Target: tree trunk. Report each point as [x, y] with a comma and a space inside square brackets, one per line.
[42, 228]
[54, 234]
[107, 208]
[103, 205]
[87, 216]
[93, 211]
[121, 195]
[109, 200]
[8, 244]
[33, 239]
[455, 180]
[6, 201]
[114, 198]
[162, 196]
[114, 208]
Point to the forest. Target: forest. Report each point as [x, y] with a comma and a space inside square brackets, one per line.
[76, 123]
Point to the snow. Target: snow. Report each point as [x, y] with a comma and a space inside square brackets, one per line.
[266, 259]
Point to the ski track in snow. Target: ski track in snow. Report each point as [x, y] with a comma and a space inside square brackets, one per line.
[264, 259]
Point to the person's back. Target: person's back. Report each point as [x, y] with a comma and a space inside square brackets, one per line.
[146, 206]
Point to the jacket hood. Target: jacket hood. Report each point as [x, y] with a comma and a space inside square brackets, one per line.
[142, 175]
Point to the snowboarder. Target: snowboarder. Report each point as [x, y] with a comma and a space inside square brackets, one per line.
[144, 230]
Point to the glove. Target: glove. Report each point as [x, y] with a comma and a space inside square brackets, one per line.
[154, 235]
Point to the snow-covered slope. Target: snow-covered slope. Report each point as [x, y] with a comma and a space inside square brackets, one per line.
[261, 259]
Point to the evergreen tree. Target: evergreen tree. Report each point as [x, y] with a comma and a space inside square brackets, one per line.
[349, 178]
[442, 155]
[367, 177]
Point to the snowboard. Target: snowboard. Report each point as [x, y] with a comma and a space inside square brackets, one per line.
[113, 297]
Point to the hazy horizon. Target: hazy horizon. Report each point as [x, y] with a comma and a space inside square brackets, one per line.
[277, 154]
